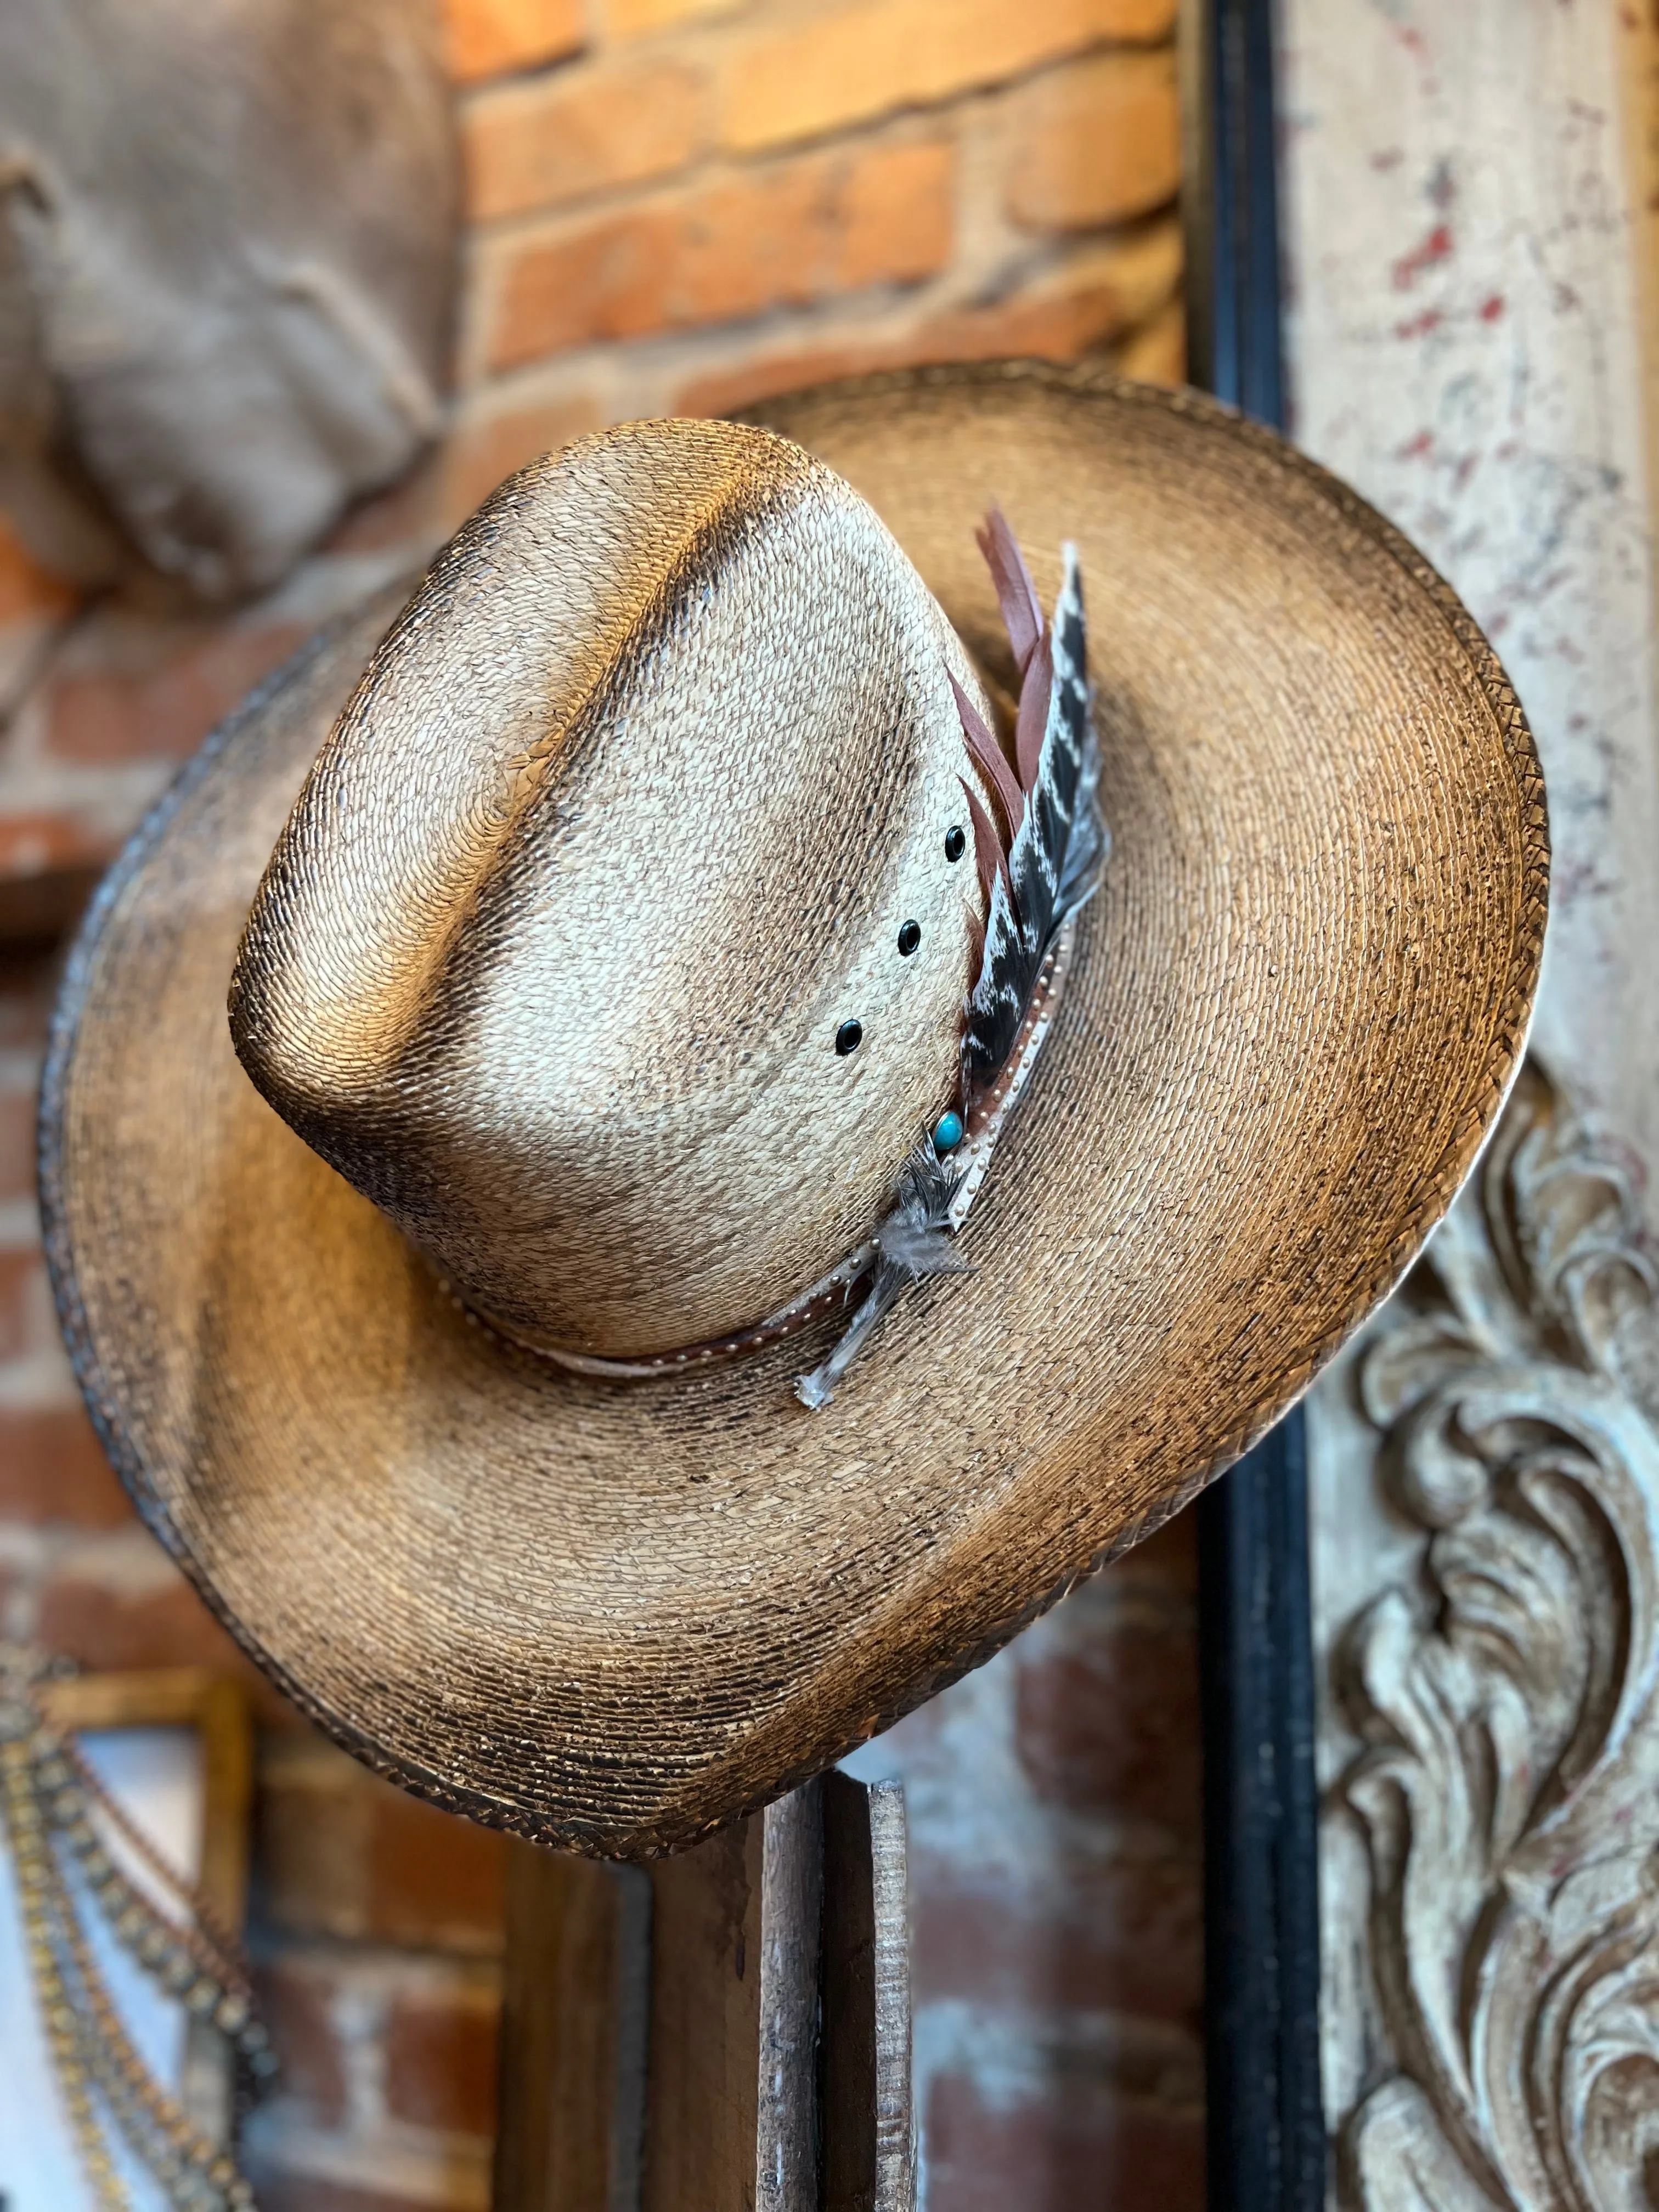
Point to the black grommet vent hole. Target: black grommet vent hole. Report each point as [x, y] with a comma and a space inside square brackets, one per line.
[849, 1037]
[909, 938]
[955, 843]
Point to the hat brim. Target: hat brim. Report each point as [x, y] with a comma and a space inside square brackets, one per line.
[613, 1615]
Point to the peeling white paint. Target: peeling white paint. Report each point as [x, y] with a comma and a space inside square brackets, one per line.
[1464, 346]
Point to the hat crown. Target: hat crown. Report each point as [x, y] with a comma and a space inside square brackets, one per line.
[645, 803]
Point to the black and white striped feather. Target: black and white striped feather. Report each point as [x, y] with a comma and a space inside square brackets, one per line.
[1059, 841]
[1038, 864]
[914, 1241]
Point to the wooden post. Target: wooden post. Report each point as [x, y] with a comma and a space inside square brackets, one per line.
[574, 2035]
[727, 2030]
[868, 2148]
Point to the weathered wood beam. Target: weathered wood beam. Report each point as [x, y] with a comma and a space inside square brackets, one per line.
[727, 2030]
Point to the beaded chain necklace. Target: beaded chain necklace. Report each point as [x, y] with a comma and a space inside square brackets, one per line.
[56, 1816]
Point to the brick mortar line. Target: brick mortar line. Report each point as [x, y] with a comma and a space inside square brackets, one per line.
[715, 37]
[874, 316]
[717, 154]
[776, 329]
[917, 123]
[500, 237]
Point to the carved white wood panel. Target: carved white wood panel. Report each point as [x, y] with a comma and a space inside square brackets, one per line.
[1490, 1831]
[1470, 238]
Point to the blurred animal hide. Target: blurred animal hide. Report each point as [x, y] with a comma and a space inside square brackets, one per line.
[228, 251]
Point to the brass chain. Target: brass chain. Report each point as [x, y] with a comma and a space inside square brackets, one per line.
[30, 1852]
[52, 1802]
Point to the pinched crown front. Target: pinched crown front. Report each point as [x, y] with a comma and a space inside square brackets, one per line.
[617, 945]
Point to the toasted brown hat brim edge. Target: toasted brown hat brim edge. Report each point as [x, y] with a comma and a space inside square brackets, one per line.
[686, 1814]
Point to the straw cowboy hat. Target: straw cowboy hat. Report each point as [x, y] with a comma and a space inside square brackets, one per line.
[692, 954]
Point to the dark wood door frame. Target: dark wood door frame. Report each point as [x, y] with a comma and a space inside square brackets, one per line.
[1265, 2127]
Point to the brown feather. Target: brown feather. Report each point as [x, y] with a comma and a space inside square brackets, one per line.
[992, 763]
[992, 859]
[1016, 594]
[1033, 719]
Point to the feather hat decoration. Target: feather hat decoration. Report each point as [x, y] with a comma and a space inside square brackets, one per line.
[1037, 882]
[1037, 871]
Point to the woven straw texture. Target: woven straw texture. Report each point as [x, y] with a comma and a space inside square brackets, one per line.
[611, 1616]
[622, 825]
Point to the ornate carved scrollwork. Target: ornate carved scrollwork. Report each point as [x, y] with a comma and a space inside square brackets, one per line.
[1505, 1698]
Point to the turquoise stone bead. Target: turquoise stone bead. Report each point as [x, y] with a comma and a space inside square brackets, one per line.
[948, 1134]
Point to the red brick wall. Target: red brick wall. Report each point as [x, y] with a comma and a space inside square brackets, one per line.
[674, 204]
[1056, 1876]
[709, 200]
